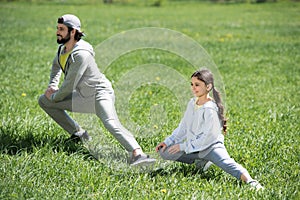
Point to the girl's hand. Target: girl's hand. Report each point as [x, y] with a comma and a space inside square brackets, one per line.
[174, 149]
[161, 146]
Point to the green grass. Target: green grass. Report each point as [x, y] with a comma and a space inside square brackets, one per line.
[256, 48]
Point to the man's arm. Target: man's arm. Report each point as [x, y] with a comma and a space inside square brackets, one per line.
[55, 74]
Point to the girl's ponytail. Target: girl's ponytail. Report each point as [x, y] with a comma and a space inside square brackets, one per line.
[206, 76]
[218, 100]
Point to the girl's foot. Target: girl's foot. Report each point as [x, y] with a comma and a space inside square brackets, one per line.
[256, 185]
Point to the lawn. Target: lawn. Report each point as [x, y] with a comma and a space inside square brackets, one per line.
[253, 48]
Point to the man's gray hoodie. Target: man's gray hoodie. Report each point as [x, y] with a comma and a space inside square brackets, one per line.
[81, 73]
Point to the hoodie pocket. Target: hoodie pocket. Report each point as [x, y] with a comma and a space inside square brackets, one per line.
[86, 90]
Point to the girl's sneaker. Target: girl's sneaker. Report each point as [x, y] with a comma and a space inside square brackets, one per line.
[256, 185]
[203, 165]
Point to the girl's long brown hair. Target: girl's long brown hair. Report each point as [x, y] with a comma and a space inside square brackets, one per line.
[206, 76]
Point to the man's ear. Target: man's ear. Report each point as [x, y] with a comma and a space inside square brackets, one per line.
[209, 87]
[73, 32]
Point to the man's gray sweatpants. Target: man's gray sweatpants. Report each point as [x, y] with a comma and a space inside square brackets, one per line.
[102, 104]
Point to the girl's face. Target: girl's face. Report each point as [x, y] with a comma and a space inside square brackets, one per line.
[198, 87]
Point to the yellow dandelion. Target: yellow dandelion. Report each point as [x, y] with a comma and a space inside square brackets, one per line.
[157, 78]
[163, 190]
[23, 94]
[150, 92]
[229, 36]
[221, 40]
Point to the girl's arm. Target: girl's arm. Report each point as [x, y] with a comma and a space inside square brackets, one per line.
[179, 134]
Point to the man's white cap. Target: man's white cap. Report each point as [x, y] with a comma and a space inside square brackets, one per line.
[71, 21]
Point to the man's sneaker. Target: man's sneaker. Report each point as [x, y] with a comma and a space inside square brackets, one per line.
[141, 160]
[81, 136]
[256, 185]
[203, 165]
[74, 138]
[86, 137]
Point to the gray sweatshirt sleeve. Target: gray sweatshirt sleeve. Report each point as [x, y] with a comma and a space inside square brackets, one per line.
[179, 134]
[55, 74]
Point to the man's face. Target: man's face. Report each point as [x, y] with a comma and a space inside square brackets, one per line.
[62, 33]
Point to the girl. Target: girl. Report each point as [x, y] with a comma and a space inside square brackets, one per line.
[198, 138]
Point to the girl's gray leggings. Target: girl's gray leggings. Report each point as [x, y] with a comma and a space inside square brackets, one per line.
[218, 155]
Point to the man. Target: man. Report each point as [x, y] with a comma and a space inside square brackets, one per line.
[84, 89]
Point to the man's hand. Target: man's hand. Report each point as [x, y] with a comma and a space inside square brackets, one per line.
[50, 90]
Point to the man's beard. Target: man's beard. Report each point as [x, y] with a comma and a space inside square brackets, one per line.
[63, 40]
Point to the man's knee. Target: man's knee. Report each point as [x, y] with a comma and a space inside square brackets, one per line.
[41, 100]
[44, 102]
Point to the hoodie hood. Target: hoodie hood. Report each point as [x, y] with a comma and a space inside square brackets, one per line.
[83, 45]
[210, 104]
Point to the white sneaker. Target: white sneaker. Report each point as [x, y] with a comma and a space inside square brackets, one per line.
[203, 164]
[206, 166]
[82, 135]
[86, 137]
[141, 160]
[256, 185]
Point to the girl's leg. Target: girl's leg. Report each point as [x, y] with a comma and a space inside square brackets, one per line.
[220, 157]
[180, 156]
